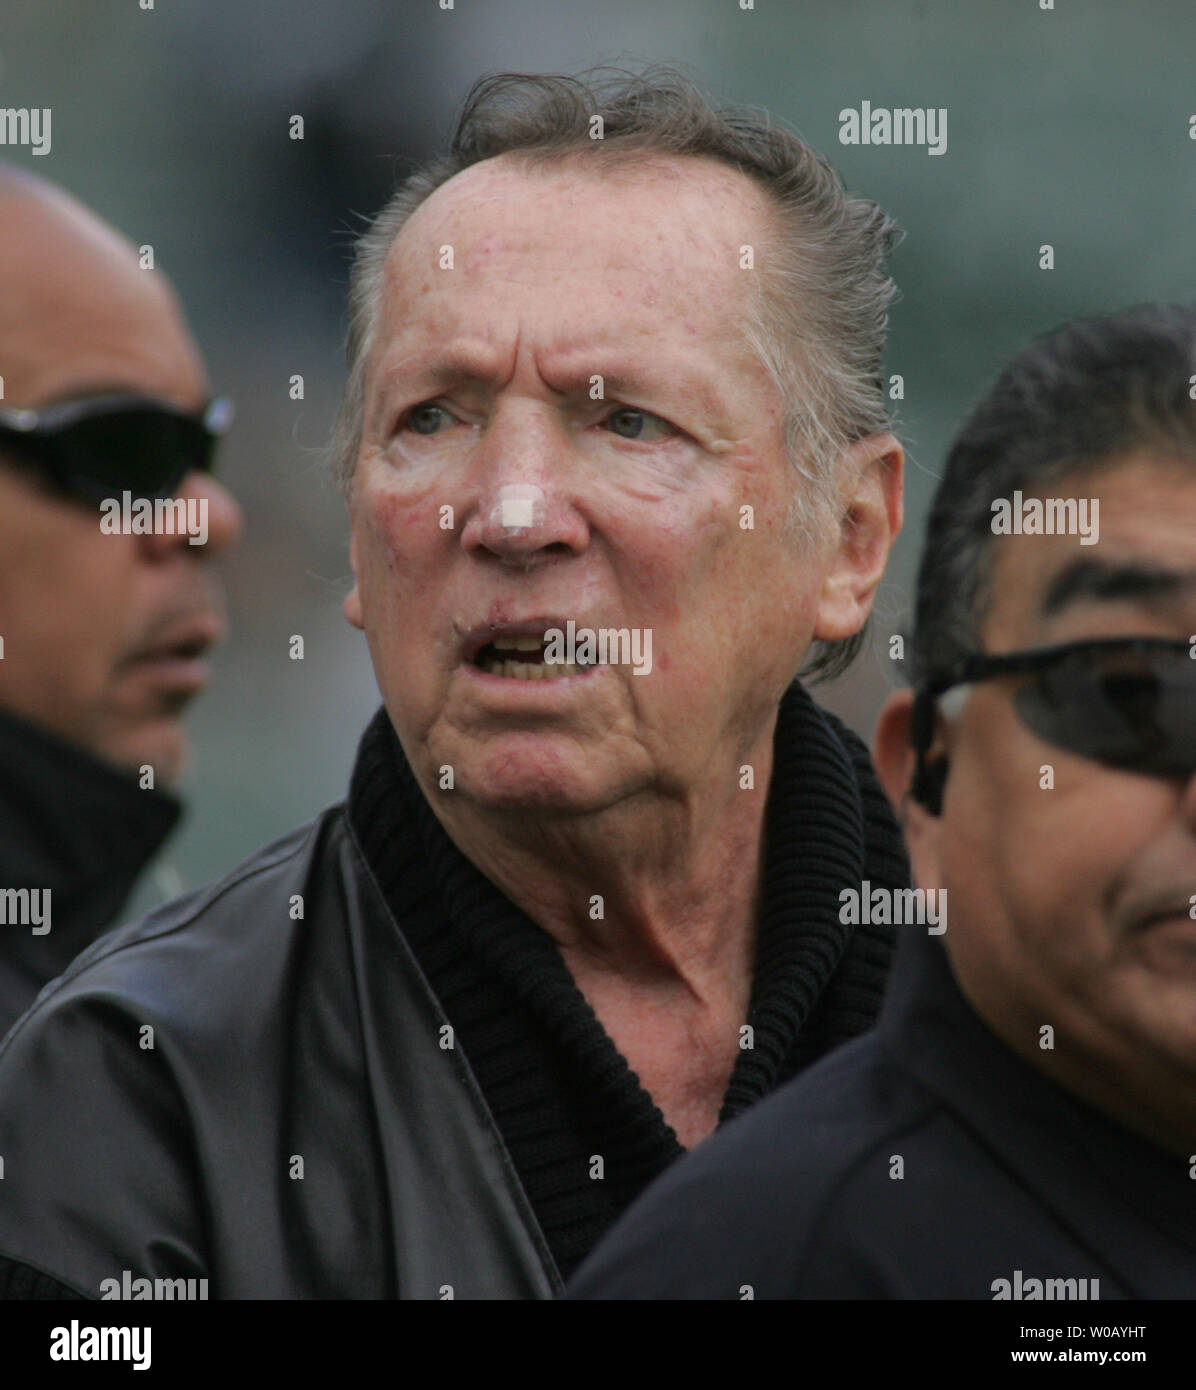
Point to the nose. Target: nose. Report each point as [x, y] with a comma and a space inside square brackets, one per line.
[525, 511]
[225, 520]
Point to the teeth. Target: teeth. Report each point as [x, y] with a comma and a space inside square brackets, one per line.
[529, 671]
[518, 644]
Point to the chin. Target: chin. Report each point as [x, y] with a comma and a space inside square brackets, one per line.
[162, 747]
[528, 797]
[531, 786]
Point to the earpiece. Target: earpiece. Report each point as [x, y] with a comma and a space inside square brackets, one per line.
[930, 777]
[928, 783]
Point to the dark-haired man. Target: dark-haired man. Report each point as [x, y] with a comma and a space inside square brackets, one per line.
[431, 1045]
[102, 630]
[1022, 1123]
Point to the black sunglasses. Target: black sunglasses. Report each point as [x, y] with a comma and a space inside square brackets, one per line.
[1128, 702]
[97, 448]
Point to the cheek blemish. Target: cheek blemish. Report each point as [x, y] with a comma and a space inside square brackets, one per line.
[404, 528]
[391, 515]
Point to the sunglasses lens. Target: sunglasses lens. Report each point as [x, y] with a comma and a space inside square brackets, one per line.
[145, 452]
[1128, 708]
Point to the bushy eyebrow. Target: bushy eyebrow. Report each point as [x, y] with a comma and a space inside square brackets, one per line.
[448, 371]
[1111, 582]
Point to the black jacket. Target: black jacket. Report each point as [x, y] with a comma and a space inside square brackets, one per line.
[925, 1160]
[258, 1084]
[73, 825]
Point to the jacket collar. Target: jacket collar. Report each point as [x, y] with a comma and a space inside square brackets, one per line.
[819, 840]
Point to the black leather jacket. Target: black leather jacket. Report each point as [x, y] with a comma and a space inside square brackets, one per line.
[294, 1177]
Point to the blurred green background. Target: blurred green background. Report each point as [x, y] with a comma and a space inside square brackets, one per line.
[1068, 126]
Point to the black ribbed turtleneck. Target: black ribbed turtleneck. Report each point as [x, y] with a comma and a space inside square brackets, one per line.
[559, 1090]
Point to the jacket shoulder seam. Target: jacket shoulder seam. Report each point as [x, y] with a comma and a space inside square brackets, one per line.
[219, 890]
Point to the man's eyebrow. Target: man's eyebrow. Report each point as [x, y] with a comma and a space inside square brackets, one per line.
[1109, 582]
[438, 374]
[444, 372]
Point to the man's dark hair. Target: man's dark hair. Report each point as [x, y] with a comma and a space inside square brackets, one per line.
[822, 290]
[1076, 401]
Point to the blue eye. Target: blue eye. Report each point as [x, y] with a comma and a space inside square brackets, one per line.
[639, 424]
[424, 419]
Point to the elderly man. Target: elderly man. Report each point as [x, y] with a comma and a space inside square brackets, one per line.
[1022, 1122]
[102, 630]
[614, 446]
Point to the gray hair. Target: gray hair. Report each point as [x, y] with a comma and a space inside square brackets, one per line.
[819, 312]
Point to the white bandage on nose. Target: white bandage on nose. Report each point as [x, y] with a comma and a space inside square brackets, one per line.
[518, 507]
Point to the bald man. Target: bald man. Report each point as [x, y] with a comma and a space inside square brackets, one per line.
[105, 616]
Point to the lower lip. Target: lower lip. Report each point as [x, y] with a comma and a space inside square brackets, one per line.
[522, 689]
[177, 673]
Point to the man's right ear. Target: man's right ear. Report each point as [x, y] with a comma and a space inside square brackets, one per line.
[922, 780]
[892, 752]
[896, 765]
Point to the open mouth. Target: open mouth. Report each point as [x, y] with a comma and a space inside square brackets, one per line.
[522, 659]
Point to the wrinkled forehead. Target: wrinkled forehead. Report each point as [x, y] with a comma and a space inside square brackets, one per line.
[653, 236]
